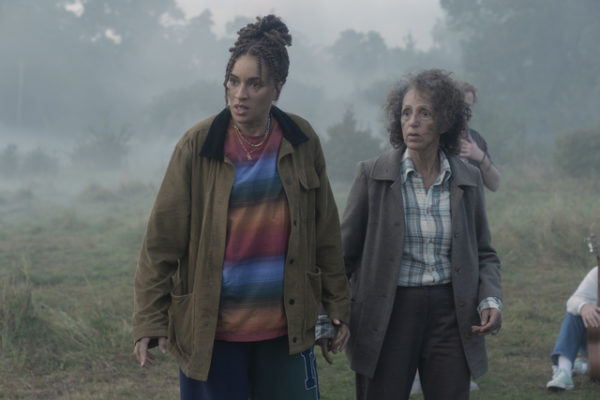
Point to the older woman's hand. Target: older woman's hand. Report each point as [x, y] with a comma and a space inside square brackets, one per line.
[491, 321]
[337, 343]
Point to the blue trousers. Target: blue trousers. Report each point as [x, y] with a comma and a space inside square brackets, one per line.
[571, 338]
[255, 370]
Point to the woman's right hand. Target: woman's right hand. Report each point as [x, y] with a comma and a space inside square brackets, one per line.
[144, 357]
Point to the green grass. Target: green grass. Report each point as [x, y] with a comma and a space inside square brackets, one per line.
[66, 277]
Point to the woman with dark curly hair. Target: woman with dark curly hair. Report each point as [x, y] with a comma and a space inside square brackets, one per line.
[425, 279]
[243, 244]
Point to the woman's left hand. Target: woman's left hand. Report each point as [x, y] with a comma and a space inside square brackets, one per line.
[491, 321]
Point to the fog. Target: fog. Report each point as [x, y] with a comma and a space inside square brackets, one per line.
[100, 91]
[319, 23]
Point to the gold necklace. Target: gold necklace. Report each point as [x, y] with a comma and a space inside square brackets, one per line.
[247, 151]
[265, 135]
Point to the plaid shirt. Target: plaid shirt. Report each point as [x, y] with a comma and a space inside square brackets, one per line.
[426, 255]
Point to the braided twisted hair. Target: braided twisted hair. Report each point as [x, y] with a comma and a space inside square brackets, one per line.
[266, 40]
[451, 112]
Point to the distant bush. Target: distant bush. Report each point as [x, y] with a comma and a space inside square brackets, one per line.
[34, 163]
[111, 202]
[126, 191]
[38, 162]
[97, 193]
[346, 146]
[104, 149]
[9, 160]
[176, 110]
[578, 153]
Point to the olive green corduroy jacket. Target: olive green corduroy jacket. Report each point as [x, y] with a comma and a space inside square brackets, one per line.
[178, 278]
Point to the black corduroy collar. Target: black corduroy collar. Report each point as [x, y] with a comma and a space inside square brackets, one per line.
[214, 145]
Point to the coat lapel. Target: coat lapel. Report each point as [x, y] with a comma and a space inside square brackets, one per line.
[388, 168]
[463, 176]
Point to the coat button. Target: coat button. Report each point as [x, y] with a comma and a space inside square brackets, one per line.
[291, 260]
[461, 303]
[288, 181]
[294, 339]
[292, 301]
[457, 268]
[294, 222]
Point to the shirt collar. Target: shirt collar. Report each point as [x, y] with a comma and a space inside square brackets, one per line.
[408, 167]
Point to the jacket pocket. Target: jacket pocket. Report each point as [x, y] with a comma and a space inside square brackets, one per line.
[181, 322]
[309, 179]
[309, 184]
[312, 298]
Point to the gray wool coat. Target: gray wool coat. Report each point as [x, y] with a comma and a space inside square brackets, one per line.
[373, 228]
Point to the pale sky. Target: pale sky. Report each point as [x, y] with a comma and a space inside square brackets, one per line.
[321, 21]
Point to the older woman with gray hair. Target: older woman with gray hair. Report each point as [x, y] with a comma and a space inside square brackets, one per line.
[425, 278]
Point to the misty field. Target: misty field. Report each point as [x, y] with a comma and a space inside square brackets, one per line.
[66, 273]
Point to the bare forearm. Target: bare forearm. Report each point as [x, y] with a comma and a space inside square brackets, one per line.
[490, 174]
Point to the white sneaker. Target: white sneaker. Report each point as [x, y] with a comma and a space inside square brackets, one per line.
[580, 366]
[561, 380]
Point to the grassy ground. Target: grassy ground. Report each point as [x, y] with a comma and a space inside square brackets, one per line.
[66, 275]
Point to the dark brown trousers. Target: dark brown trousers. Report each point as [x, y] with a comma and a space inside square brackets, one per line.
[422, 334]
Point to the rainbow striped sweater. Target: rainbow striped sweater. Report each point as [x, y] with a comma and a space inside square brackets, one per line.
[258, 228]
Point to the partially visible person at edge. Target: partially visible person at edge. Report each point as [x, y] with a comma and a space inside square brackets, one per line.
[243, 242]
[424, 277]
[474, 148]
[582, 313]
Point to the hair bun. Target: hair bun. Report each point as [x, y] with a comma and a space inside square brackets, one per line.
[270, 27]
[265, 39]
